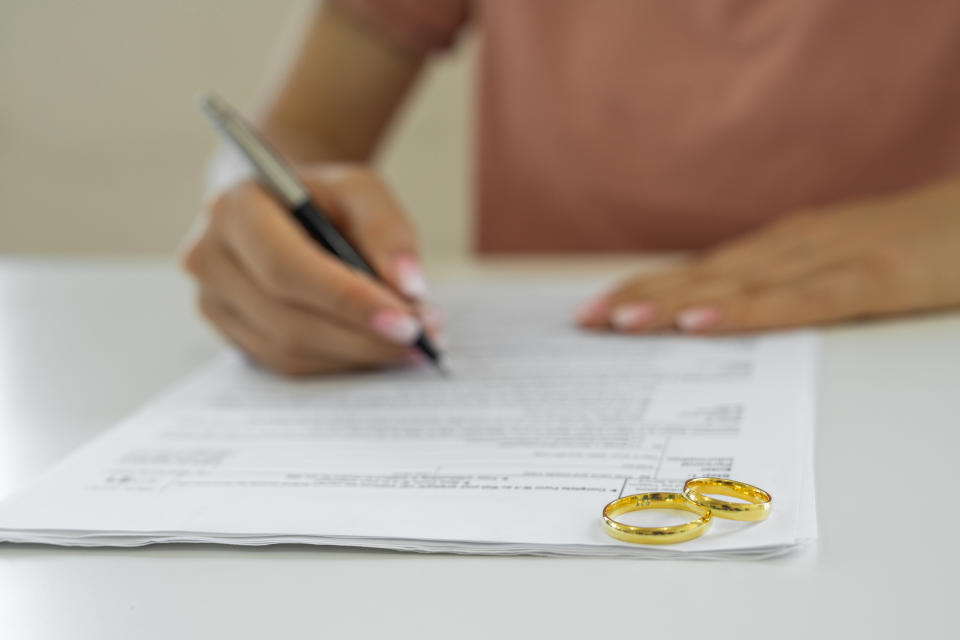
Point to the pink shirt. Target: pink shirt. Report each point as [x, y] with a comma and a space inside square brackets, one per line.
[656, 124]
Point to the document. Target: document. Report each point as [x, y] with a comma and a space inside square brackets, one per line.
[539, 427]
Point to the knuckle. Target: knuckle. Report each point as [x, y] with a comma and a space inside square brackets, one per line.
[386, 225]
[881, 264]
[882, 279]
[349, 297]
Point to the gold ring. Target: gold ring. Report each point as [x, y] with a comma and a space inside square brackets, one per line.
[756, 507]
[655, 535]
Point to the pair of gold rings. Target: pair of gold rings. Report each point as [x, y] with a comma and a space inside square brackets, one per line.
[692, 499]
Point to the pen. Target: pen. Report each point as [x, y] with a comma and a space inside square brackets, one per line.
[285, 185]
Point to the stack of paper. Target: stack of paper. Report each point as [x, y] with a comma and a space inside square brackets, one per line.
[541, 425]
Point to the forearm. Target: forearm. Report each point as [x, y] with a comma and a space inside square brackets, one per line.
[337, 91]
[941, 195]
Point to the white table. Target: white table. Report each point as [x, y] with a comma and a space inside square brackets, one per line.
[84, 342]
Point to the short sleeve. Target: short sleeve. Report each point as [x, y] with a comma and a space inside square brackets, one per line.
[423, 25]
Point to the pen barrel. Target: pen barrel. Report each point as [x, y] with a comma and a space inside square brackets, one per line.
[426, 347]
[329, 237]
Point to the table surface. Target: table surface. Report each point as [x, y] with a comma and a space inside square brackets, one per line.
[83, 342]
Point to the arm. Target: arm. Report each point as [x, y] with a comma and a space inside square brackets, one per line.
[338, 91]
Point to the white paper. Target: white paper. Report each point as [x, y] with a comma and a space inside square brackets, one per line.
[541, 425]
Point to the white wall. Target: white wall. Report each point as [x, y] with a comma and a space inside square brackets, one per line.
[102, 147]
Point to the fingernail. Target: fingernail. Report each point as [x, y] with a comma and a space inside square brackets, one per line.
[697, 318]
[591, 310]
[410, 277]
[395, 326]
[631, 316]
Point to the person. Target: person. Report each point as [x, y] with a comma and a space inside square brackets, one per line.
[807, 153]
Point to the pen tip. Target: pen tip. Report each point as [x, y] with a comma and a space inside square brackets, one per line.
[443, 368]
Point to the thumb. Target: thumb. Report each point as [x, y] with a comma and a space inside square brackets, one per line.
[362, 207]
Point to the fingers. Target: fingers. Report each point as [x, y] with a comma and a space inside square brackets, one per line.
[715, 304]
[289, 329]
[374, 223]
[787, 264]
[288, 266]
[650, 304]
[238, 332]
[836, 295]
[789, 250]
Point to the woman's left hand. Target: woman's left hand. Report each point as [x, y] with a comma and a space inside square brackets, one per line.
[853, 260]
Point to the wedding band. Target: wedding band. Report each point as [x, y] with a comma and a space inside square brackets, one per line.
[655, 535]
[756, 507]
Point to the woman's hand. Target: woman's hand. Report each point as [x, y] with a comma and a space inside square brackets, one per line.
[853, 260]
[292, 306]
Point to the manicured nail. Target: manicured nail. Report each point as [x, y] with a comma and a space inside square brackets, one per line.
[591, 310]
[697, 318]
[631, 316]
[410, 277]
[395, 326]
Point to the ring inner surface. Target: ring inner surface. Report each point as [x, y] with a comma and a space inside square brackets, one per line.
[653, 501]
[749, 494]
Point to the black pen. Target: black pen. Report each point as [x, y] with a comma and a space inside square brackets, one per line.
[285, 185]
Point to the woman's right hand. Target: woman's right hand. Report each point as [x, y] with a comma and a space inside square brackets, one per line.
[294, 307]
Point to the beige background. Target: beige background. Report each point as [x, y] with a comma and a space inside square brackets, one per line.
[102, 149]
